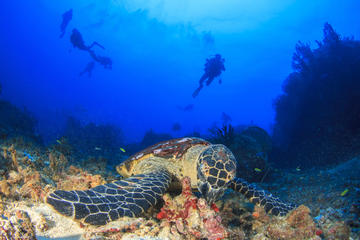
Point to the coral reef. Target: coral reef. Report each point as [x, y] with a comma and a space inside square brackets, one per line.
[317, 122]
[29, 175]
[28, 172]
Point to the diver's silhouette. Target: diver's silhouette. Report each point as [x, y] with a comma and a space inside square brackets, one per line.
[88, 69]
[213, 68]
[105, 61]
[66, 18]
[78, 42]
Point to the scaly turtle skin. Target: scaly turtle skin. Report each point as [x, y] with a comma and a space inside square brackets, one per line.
[151, 172]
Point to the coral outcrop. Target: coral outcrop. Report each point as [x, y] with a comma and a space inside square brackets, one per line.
[317, 122]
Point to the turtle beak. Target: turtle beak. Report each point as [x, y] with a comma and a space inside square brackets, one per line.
[210, 193]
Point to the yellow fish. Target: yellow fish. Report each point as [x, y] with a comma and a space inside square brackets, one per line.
[58, 141]
[344, 192]
[123, 150]
[97, 149]
[257, 169]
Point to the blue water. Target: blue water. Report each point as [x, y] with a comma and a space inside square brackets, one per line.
[158, 50]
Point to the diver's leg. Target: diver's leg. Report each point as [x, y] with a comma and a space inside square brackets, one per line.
[93, 55]
[210, 79]
[201, 82]
[202, 79]
[196, 92]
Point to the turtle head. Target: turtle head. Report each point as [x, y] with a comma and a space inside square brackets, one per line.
[216, 166]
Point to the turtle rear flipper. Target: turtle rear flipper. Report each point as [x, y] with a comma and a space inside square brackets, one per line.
[102, 204]
[260, 197]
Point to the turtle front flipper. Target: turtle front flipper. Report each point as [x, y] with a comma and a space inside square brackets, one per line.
[102, 204]
[260, 197]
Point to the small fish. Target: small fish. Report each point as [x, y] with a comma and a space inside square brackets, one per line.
[298, 168]
[58, 141]
[123, 150]
[344, 192]
[29, 157]
[257, 169]
[97, 149]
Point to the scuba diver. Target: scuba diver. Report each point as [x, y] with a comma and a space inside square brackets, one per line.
[88, 69]
[105, 61]
[78, 42]
[66, 18]
[213, 68]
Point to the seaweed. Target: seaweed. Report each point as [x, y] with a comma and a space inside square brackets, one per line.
[224, 135]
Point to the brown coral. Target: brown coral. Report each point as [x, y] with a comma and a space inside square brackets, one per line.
[16, 225]
[297, 225]
[81, 180]
[337, 230]
[57, 162]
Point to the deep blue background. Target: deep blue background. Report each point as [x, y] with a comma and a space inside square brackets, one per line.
[158, 50]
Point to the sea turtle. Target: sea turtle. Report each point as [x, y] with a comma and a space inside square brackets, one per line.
[151, 172]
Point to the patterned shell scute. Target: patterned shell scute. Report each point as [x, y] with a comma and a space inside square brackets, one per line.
[174, 148]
